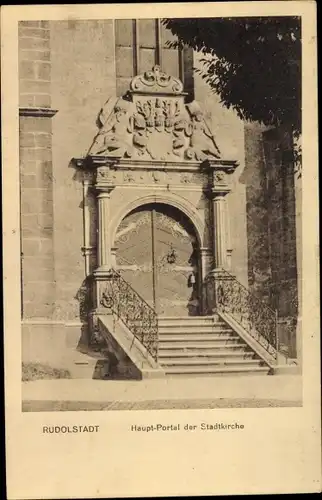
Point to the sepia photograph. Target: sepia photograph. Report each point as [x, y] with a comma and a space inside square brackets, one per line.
[160, 185]
[161, 249]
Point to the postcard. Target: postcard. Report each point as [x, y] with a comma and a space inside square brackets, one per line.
[160, 215]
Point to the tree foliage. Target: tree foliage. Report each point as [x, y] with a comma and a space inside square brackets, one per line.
[253, 64]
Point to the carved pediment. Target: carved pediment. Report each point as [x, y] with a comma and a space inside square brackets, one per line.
[152, 122]
[155, 81]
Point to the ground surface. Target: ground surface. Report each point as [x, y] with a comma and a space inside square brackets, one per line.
[35, 406]
[167, 393]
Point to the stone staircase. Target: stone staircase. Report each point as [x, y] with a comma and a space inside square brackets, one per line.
[205, 345]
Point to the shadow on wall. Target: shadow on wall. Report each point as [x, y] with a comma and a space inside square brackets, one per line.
[84, 298]
[110, 369]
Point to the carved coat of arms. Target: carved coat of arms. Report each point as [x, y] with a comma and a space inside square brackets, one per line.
[153, 122]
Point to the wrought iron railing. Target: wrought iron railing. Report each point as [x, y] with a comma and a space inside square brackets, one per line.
[139, 317]
[229, 296]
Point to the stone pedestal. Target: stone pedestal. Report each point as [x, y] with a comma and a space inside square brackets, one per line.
[213, 284]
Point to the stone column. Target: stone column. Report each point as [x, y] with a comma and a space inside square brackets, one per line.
[86, 249]
[219, 186]
[205, 263]
[228, 236]
[220, 233]
[103, 243]
[103, 188]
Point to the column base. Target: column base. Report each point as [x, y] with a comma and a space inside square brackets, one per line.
[221, 272]
[102, 272]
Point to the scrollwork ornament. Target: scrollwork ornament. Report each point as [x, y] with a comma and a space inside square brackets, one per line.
[156, 80]
[232, 298]
[138, 316]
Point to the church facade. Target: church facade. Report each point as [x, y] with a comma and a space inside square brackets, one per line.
[148, 210]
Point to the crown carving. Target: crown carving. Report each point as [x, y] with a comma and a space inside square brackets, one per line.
[156, 81]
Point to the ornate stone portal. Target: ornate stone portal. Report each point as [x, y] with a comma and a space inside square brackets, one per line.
[153, 149]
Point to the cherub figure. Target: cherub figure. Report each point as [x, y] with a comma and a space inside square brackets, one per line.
[202, 142]
[113, 138]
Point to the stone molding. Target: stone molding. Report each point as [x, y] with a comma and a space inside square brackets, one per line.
[162, 197]
[38, 112]
[92, 162]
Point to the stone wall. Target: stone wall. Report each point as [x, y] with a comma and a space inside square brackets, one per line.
[254, 177]
[229, 133]
[83, 78]
[278, 150]
[271, 226]
[36, 170]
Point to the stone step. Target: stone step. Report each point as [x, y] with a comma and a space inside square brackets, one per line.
[187, 318]
[197, 337]
[194, 330]
[169, 356]
[177, 346]
[215, 362]
[189, 323]
[220, 372]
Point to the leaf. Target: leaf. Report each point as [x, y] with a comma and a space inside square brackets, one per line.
[253, 64]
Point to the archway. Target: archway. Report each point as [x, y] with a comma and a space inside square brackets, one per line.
[157, 252]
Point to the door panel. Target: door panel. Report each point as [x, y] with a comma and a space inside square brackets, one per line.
[134, 253]
[156, 254]
[173, 238]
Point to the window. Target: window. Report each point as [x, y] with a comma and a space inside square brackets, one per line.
[142, 43]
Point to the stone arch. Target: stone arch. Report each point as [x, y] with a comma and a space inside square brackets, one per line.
[167, 199]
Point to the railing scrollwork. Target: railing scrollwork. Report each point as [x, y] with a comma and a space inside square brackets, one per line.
[139, 317]
[225, 294]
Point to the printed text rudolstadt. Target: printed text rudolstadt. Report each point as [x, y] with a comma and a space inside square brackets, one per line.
[69, 429]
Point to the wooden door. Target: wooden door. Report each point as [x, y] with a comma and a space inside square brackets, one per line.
[157, 254]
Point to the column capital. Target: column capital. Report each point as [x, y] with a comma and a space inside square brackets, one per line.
[219, 180]
[228, 166]
[218, 192]
[104, 191]
[104, 182]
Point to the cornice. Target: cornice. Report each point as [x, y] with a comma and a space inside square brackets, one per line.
[38, 112]
[93, 162]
